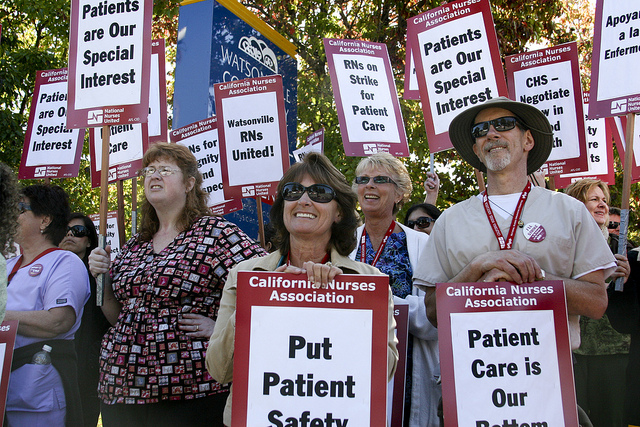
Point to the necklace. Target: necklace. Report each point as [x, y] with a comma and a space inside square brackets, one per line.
[520, 222]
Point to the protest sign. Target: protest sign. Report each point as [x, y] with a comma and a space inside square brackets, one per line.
[366, 98]
[616, 56]
[306, 356]
[50, 149]
[158, 125]
[201, 138]
[411, 90]
[109, 62]
[505, 355]
[253, 136]
[8, 331]
[549, 79]
[112, 235]
[315, 144]
[599, 152]
[457, 63]
[618, 129]
[396, 387]
[127, 144]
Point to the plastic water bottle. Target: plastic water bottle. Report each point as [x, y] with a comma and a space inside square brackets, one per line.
[43, 357]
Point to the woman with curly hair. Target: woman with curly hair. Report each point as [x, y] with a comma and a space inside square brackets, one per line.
[9, 198]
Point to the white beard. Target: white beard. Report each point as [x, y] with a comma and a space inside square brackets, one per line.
[499, 161]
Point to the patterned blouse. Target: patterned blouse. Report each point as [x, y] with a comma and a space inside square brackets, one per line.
[145, 358]
[394, 262]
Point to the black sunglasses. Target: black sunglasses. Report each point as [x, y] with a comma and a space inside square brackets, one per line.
[422, 222]
[320, 193]
[613, 225]
[380, 179]
[501, 124]
[78, 231]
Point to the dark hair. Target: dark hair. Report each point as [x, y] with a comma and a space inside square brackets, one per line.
[318, 167]
[269, 237]
[614, 211]
[9, 198]
[196, 204]
[93, 234]
[431, 210]
[51, 201]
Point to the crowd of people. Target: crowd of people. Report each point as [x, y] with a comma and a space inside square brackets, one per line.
[160, 350]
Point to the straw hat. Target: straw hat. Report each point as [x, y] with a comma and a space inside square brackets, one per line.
[530, 116]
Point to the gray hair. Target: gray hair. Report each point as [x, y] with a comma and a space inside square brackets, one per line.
[396, 170]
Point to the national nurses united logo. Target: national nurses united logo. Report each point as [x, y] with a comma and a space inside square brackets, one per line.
[259, 50]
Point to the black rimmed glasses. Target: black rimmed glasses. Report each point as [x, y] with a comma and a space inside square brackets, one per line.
[78, 230]
[23, 207]
[422, 222]
[320, 193]
[162, 170]
[380, 179]
[501, 124]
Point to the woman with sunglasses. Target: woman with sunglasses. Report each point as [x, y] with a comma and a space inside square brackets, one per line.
[81, 239]
[383, 185]
[47, 291]
[421, 217]
[163, 300]
[315, 220]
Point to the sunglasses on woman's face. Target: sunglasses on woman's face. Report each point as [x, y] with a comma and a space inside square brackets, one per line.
[501, 124]
[78, 231]
[422, 222]
[380, 179]
[320, 193]
[613, 225]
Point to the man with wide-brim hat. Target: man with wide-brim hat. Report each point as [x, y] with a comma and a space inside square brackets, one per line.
[514, 231]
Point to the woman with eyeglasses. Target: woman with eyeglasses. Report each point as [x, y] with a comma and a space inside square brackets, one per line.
[81, 239]
[421, 217]
[315, 220]
[47, 291]
[602, 357]
[163, 300]
[383, 185]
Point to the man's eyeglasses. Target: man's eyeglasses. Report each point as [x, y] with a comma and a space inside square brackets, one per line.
[501, 124]
[78, 230]
[162, 170]
[613, 225]
[320, 193]
[380, 179]
[422, 222]
[23, 207]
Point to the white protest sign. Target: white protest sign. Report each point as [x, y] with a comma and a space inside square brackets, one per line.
[366, 98]
[127, 144]
[109, 62]
[112, 235]
[316, 371]
[616, 56]
[549, 79]
[253, 136]
[50, 149]
[457, 62]
[505, 355]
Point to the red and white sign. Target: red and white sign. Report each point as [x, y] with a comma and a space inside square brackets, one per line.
[109, 63]
[158, 123]
[50, 149]
[112, 235]
[505, 355]
[253, 136]
[599, 152]
[615, 57]
[315, 144]
[457, 61]
[396, 388]
[304, 355]
[201, 138]
[127, 145]
[619, 129]
[366, 98]
[8, 331]
[549, 79]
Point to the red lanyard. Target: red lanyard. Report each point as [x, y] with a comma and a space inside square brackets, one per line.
[18, 264]
[363, 244]
[508, 244]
